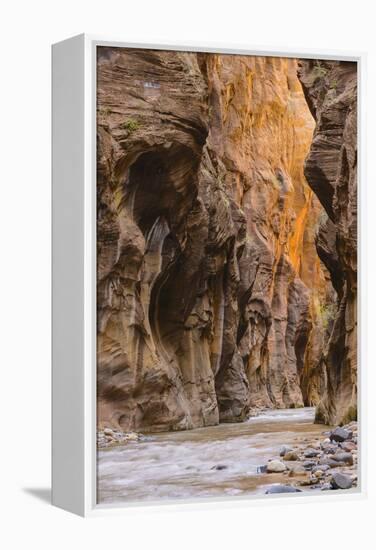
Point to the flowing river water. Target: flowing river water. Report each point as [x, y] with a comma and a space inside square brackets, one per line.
[205, 462]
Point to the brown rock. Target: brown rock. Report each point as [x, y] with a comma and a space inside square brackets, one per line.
[298, 471]
[275, 466]
[348, 446]
[347, 458]
[209, 287]
[291, 455]
[330, 88]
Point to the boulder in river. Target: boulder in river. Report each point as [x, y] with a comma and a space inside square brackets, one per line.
[291, 455]
[340, 434]
[275, 489]
[284, 450]
[275, 466]
[341, 481]
[347, 458]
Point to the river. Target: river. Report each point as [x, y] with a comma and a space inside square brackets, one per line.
[205, 462]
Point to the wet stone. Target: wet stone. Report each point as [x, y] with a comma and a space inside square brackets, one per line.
[291, 455]
[277, 489]
[285, 449]
[341, 481]
[340, 434]
[311, 453]
[330, 462]
[347, 458]
[348, 446]
[275, 466]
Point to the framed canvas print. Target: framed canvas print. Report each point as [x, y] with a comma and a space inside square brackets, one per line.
[206, 272]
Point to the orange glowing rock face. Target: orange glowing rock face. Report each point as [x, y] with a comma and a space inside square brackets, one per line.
[210, 290]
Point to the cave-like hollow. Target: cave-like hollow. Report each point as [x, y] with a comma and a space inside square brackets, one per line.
[162, 187]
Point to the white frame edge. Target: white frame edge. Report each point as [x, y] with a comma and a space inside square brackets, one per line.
[68, 380]
[74, 276]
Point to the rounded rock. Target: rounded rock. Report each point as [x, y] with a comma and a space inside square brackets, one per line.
[285, 449]
[341, 481]
[340, 434]
[347, 458]
[275, 466]
[291, 455]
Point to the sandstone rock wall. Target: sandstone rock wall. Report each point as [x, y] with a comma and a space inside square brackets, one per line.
[211, 295]
[331, 170]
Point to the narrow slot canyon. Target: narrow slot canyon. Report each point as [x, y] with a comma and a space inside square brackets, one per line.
[226, 239]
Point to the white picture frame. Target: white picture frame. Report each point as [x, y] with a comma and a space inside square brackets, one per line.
[74, 269]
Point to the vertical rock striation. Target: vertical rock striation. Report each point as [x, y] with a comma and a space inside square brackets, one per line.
[330, 88]
[260, 130]
[210, 292]
[153, 367]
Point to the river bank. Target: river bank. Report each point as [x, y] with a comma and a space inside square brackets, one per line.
[277, 451]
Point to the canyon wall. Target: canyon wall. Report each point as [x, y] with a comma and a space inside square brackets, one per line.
[331, 170]
[211, 298]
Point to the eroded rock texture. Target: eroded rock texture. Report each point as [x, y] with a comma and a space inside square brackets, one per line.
[331, 171]
[210, 289]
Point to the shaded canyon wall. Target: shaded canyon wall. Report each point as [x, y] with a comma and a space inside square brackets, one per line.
[331, 170]
[212, 300]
